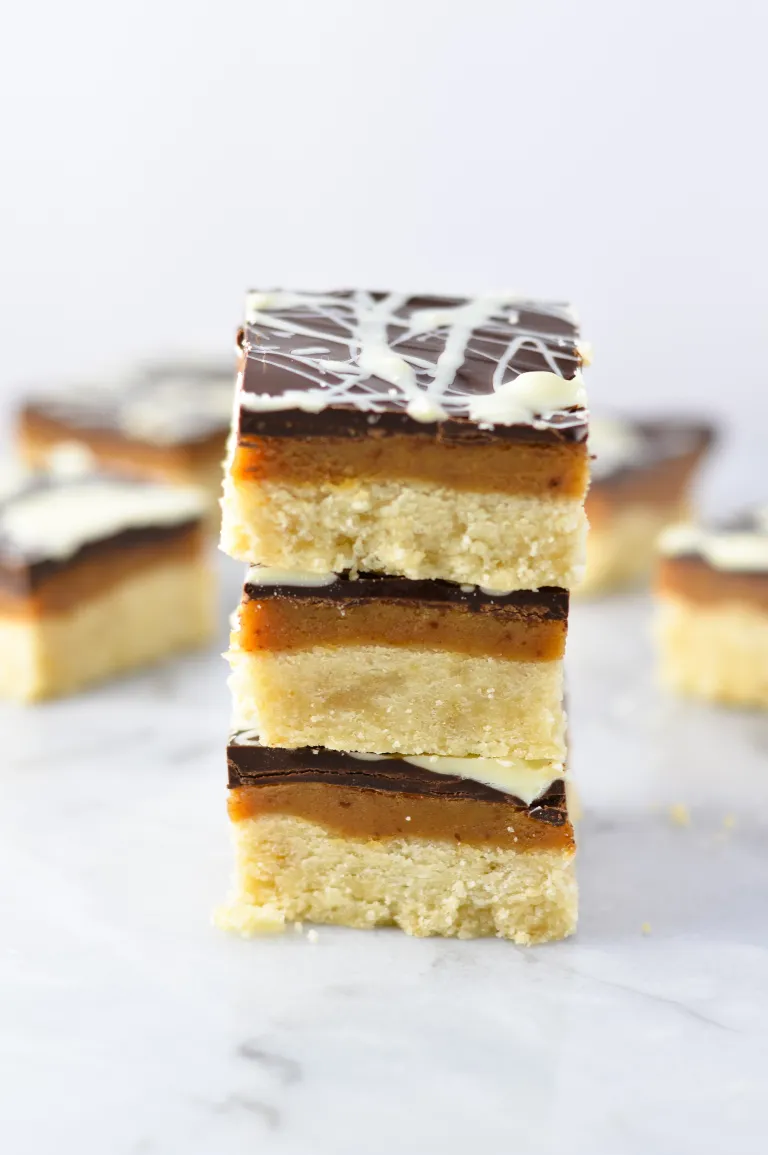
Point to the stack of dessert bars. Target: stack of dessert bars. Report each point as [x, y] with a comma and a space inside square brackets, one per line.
[406, 477]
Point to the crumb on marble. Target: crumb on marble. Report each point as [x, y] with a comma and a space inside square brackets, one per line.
[646, 928]
[680, 814]
[729, 821]
[312, 936]
[259, 920]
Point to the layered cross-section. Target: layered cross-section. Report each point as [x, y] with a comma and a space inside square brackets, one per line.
[406, 477]
[414, 436]
[97, 576]
[643, 472]
[712, 593]
[386, 664]
[167, 422]
[434, 845]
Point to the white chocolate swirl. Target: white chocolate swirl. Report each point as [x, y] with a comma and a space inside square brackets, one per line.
[374, 338]
[736, 549]
[52, 518]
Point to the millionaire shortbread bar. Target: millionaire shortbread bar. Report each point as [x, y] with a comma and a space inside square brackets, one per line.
[384, 664]
[97, 576]
[712, 592]
[437, 846]
[642, 475]
[424, 437]
[167, 422]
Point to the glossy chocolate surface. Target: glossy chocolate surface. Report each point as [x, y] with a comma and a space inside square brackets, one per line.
[251, 764]
[551, 602]
[541, 337]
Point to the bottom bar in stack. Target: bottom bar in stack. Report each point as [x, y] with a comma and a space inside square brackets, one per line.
[437, 846]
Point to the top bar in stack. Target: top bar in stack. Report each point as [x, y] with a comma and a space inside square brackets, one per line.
[422, 437]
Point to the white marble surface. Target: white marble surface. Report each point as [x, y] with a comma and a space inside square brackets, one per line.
[131, 1027]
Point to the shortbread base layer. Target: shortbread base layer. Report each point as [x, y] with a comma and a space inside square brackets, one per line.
[621, 545]
[409, 529]
[717, 651]
[288, 869]
[390, 699]
[147, 616]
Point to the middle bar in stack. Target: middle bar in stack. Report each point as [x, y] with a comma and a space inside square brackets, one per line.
[388, 665]
[408, 476]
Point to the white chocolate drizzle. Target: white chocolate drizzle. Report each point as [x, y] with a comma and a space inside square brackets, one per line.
[362, 328]
[263, 575]
[55, 517]
[526, 780]
[169, 409]
[734, 549]
[168, 406]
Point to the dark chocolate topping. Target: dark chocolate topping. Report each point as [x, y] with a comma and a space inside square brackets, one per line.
[352, 423]
[550, 601]
[165, 404]
[654, 441]
[251, 764]
[745, 521]
[320, 348]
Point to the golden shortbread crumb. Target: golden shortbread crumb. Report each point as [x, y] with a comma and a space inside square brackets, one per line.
[717, 651]
[390, 699]
[298, 868]
[414, 529]
[148, 615]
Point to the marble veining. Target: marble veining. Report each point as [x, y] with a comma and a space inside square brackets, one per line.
[130, 1026]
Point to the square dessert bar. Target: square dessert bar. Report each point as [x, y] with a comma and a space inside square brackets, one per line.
[712, 593]
[423, 437]
[166, 423]
[97, 576]
[436, 846]
[642, 475]
[382, 664]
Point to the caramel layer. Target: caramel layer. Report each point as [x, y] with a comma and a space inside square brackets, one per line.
[355, 813]
[513, 467]
[284, 623]
[38, 434]
[62, 585]
[695, 580]
[660, 484]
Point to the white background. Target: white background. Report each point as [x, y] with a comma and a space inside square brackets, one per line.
[161, 156]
